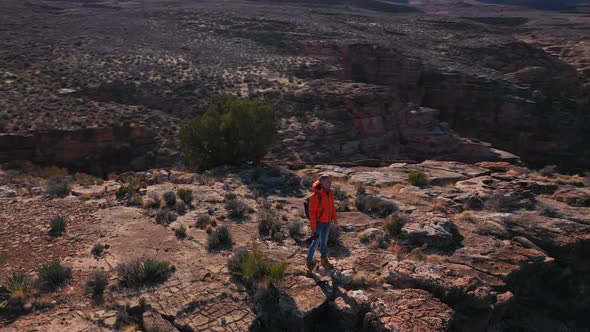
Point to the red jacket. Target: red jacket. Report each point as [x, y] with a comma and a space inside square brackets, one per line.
[321, 209]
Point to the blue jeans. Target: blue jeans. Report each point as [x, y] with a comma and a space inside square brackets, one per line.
[323, 229]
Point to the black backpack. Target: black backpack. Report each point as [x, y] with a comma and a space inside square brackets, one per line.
[306, 202]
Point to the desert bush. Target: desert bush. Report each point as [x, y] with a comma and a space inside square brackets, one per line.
[255, 268]
[135, 200]
[375, 205]
[307, 181]
[232, 131]
[295, 229]
[54, 171]
[185, 195]
[467, 216]
[98, 249]
[209, 230]
[220, 239]
[130, 189]
[203, 220]
[140, 272]
[54, 275]
[19, 289]
[57, 226]
[236, 208]
[265, 224]
[393, 226]
[165, 216]
[180, 232]
[97, 283]
[180, 207]
[84, 179]
[169, 198]
[234, 262]
[58, 187]
[154, 201]
[418, 178]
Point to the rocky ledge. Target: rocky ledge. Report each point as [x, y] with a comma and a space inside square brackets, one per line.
[478, 247]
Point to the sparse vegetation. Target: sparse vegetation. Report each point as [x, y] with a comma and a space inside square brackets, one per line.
[185, 195]
[232, 131]
[58, 187]
[97, 283]
[57, 226]
[220, 239]
[393, 225]
[169, 198]
[236, 208]
[130, 191]
[18, 290]
[153, 201]
[180, 208]
[98, 249]
[418, 178]
[255, 269]
[53, 275]
[375, 205]
[165, 216]
[295, 229]
[180, 232]
[141, 272]
[265, 224]
[203, 221]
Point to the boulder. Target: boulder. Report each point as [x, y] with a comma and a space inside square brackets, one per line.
[431, 229]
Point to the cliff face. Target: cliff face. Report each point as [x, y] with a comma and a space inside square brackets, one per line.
[536, 112]
[338, 121]
[95, 150]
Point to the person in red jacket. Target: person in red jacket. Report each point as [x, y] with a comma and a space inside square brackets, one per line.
[322, 212]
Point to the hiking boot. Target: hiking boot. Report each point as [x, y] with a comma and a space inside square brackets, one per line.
[309, 266]
[326, 263]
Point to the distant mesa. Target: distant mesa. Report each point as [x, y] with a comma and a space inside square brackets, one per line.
[390, 6]
[541, 4]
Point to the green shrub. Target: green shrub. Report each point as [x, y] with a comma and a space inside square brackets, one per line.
[393, 225]
[180, 207]
[154, 201]
[57, 226]
[165, 216]
[232, 131]
[131, 189]
[294, 229]
[19, 289]
[97, 283]
[141, 272]
[98, 249]
[220, 239]
[418, 178]
[375, 205]
[169, 198]
[53, 275]
[548, 171]
[255, 268]
[234, 262]
[185, 195]
[203, 220]
[58, 187]
[180, 232]
[265, 224]
[236, 208]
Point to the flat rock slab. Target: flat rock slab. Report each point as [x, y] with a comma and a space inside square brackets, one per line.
[302, 297]
[467, 170]
[407, 310]
[455, 284]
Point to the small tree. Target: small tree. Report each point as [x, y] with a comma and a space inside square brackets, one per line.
[232, 131]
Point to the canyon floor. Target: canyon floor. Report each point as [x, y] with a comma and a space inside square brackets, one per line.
[489, 101]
